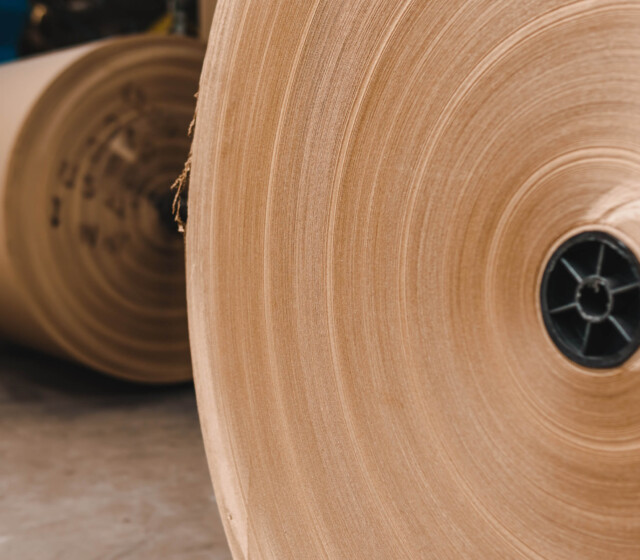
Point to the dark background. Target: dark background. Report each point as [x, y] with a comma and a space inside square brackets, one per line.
[28, 27]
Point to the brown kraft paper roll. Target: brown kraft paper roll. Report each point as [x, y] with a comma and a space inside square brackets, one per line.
[91, 268]
[377, 191]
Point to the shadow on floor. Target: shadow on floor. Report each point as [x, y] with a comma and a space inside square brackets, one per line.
[30, 375]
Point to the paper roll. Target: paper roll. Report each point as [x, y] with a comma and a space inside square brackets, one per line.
[205, 17]
[90, 141]
[377, 189]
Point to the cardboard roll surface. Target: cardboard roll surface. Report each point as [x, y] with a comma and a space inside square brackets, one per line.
[377, 190]
[91, 267]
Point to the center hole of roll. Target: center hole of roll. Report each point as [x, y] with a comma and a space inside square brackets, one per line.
[594, 299]
[590, 300]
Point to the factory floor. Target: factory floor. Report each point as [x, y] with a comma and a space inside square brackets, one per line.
[92, 468]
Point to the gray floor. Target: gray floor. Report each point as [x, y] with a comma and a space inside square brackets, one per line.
[91, 468]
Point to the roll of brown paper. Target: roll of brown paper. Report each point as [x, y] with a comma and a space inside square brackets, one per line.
[205, 17]
[381, 194]
[91, 268]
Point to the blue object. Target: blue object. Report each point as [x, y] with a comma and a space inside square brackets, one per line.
[13, 18]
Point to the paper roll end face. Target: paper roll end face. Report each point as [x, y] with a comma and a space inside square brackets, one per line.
[365, 271]
[97, 267]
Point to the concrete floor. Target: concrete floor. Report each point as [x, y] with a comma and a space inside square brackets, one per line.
[92, 468]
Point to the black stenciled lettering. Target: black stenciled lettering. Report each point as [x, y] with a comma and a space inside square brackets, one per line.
[56, 203]
[88, 187]
[114, 244]
[69, 179]
[110, 118]
[89, 234]
[117, 205]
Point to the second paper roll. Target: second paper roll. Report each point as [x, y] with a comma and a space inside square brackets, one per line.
[91, 267]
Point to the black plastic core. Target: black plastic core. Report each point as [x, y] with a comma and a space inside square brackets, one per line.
[590, 299]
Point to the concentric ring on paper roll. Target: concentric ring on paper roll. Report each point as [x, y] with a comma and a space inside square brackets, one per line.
[88, 210]
[377, 189]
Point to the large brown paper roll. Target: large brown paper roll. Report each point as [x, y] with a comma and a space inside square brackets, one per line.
[91, 267]
[378, 188]
[205, 17]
